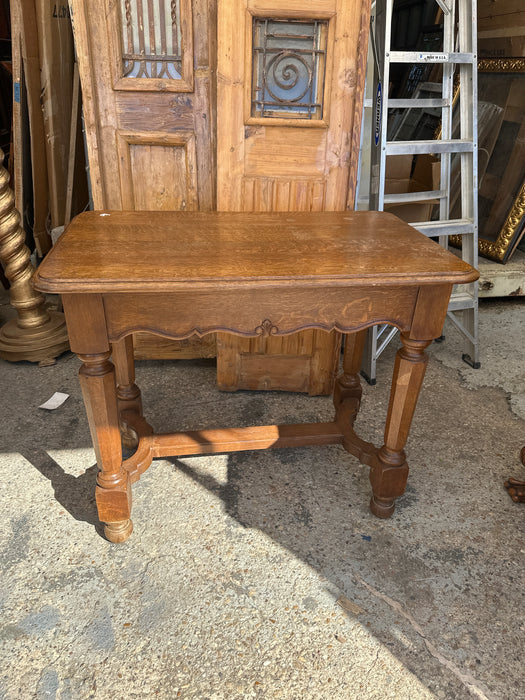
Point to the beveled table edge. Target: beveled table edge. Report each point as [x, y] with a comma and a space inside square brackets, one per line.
[82, 286]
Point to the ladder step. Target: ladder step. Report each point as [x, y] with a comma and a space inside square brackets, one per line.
[449, 227]
[460, 300]
[414, 196]
[417, 103]
[429, 57]
[431, 146]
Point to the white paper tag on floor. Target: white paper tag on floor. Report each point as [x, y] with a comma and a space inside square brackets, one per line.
[55, 401]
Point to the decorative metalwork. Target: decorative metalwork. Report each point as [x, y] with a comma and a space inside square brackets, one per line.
[151, 39]
[289, 63]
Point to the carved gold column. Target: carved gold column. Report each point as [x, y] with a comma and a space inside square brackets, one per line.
[37, 335]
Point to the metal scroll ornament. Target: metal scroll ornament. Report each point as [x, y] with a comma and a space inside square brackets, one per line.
[288, 72]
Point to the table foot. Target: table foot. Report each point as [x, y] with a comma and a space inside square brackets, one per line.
[388, 477]
[516, 490]
[382, 507]
[118, 532]
[130, 440]
[516, 487]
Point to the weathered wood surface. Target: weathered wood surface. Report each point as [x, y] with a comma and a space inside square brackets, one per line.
[26, 22]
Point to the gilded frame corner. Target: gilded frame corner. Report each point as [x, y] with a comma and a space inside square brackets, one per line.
[500, 249]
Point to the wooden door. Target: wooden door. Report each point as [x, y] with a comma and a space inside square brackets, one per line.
[150, 106]
[147, 74]
[290, 89]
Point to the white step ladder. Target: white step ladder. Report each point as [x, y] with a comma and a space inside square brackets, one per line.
[457, 149]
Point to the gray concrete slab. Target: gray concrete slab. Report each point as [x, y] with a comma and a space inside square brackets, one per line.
[263, 574]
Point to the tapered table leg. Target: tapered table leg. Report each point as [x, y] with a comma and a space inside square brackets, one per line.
[128, 393]
[389, 475]
[113, 492]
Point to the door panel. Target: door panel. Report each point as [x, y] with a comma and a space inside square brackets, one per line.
[299, 154]
[316, 148]
[168, 161]
[292, 86]
[135, 121]
[147, 71]
[280, 194]
[303, 362]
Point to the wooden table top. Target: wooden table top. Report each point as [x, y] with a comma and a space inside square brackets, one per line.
[104, 252]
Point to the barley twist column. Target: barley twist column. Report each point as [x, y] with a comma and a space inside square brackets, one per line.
[37, 335]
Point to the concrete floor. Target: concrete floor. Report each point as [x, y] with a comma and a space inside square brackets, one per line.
[263, 574]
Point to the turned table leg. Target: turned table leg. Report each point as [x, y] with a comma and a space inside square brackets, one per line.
[348, 384]
[128, 393]
[347, 389]
[389, 475]
[113, 492]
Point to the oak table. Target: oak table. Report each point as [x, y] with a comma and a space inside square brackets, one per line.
[183, 273]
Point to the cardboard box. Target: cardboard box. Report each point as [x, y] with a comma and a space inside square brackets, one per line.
[409, 173]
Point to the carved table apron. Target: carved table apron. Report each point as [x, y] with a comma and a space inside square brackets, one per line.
[184, 273]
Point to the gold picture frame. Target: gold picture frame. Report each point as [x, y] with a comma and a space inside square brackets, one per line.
[501, 195]
[510, 234]
[501, 158]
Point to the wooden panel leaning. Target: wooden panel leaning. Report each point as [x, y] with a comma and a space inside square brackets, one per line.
[253, 275]
[288, 140]
[150, 140]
